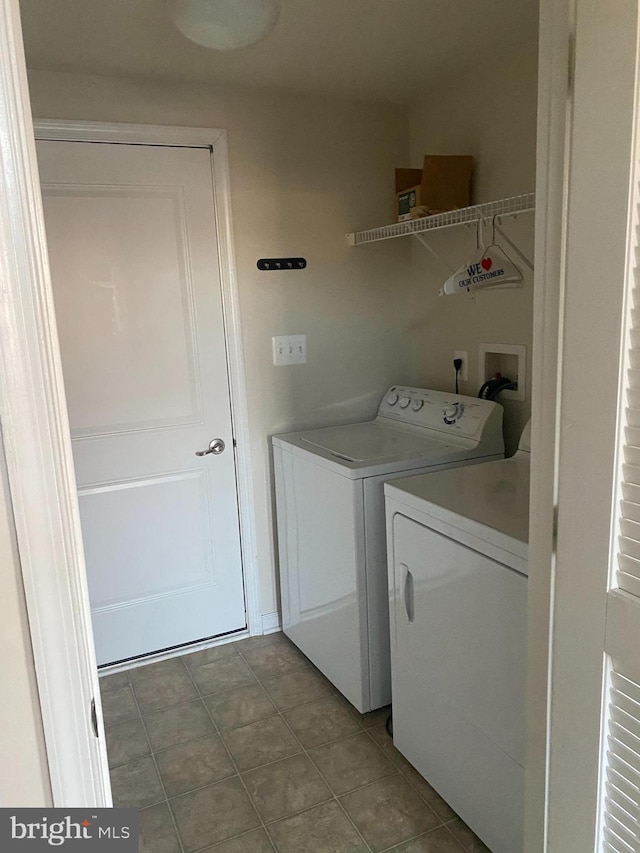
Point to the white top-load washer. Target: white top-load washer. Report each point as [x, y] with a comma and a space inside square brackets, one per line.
[331, 531]
[457, 553]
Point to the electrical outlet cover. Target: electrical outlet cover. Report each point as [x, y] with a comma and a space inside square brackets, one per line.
[464, 370]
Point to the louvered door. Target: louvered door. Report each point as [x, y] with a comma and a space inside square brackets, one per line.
[621, 814]
[619, 830]
[628, 565]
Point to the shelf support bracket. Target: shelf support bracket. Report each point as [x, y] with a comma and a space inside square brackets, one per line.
[525, 260]
[436, 255]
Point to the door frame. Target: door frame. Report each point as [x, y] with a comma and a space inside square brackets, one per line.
[38, 454]
[216, 141]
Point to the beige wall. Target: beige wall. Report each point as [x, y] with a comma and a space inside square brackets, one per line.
[24, 777]
[304, 172]
[491, 114]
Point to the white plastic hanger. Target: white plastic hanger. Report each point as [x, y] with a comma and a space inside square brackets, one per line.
[491, 267]
[497, 264]
[460, 281]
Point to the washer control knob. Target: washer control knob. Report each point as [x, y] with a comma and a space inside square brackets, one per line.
[392, 399]
[417, 405]
[452, 413]
[404, 402]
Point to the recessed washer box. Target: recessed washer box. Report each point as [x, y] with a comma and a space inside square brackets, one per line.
[509, 360]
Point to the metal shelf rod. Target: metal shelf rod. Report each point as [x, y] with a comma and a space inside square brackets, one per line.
[465, 216]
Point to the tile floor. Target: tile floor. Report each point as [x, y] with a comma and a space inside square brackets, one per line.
[246, 748]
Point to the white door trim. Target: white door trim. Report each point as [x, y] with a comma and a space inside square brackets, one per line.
[214, 139]
[554, 105]
[38, 452]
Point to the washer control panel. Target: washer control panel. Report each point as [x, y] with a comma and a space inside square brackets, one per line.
[437, 410]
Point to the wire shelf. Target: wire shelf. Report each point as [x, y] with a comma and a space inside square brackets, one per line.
[503, 207]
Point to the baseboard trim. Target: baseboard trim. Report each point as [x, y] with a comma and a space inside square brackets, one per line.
[271, 622]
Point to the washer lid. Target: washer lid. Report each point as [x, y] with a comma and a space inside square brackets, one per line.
[371, 442]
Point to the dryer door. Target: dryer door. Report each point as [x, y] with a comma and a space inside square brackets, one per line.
[458, 676]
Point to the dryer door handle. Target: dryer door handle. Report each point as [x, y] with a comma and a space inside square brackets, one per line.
[408, 593]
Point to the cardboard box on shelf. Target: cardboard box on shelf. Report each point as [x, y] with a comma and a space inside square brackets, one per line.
[443, 183]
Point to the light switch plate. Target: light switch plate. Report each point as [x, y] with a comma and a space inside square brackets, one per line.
[289, 349]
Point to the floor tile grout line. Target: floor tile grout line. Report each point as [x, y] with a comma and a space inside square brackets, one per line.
[202, 788]
[159, 751]
[238, 773]
[304, 751]
[210, 848]
[336, 797]
[198, 700]
[233, 761]
[383, 779]
[107, 727]
[326, 782]
[184, 743]
[278, 709]
[280, 712]
[256, 680]
[395, 771]
[410, 781]
[164, 790]
[456, 839]
[302, 665]
[422, 835]
[155, 764]
[152, 751]
[324, 743]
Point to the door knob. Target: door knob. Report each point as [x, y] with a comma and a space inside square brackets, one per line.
[216, 445]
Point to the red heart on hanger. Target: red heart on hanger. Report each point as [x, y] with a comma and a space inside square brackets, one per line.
[487, 263]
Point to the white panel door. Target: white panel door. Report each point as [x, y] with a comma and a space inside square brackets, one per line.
[134, 261]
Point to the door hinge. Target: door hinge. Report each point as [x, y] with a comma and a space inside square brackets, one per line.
[94, 717]
[235, 443]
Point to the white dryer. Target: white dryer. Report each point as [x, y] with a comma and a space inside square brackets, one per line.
[458, 550]
[331, 530]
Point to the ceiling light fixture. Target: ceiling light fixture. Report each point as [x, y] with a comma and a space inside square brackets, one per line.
[225, 24]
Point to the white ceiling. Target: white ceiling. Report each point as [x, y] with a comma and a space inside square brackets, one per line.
[372, 49]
